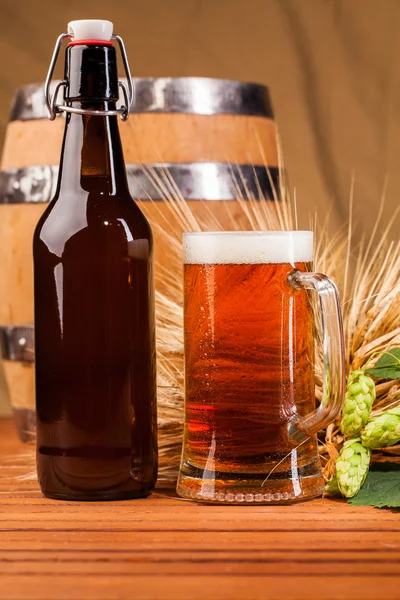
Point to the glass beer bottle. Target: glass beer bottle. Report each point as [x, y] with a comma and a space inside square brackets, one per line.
[94, 304]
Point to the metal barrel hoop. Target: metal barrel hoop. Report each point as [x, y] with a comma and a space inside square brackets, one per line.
[17, 343]
[195, 181]
[183, 95]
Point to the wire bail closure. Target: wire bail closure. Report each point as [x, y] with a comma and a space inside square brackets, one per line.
[51, 100]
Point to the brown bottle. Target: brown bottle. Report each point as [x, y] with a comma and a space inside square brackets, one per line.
[94, 306]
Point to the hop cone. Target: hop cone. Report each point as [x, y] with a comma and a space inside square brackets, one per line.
[352, 467]
[383, 430]
[360, 396]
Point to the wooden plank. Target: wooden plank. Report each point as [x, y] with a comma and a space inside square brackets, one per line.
[158, 522]
[121, 555]
[184, 587]
[170, 567]
[166, 548]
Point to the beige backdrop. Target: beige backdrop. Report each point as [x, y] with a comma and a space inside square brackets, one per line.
[333, 68]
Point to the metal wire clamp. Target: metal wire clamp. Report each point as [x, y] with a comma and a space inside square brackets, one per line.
[51, 99]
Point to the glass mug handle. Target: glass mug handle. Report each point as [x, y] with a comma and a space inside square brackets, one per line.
[333, 356]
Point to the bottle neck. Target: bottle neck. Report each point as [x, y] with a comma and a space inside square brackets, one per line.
[92, 157]
[92, 152]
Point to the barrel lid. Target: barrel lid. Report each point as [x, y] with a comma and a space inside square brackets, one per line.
[192, 95]
[192, 181]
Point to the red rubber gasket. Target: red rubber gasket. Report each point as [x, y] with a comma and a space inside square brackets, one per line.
[90, 43]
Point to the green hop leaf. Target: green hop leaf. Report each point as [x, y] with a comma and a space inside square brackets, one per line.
[359, 398]
[381, 488]
[388, 365]
[383, 430]
[352, 467]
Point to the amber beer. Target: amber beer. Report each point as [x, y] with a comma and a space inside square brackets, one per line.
[249, 352]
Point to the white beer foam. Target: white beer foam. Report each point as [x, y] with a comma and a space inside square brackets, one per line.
[247, 247]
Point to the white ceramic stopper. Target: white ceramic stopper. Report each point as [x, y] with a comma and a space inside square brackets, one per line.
[91, 29]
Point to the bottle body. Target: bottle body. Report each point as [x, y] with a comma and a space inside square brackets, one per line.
[94, 326]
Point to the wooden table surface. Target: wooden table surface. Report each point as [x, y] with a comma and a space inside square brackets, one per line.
[166, 548]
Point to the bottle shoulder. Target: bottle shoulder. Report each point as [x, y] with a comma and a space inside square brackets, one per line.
[94, 208]
[98, 217]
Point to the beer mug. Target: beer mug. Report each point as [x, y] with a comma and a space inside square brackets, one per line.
[250, 416]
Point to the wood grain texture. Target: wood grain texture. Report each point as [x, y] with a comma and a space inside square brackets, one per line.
[166, 548]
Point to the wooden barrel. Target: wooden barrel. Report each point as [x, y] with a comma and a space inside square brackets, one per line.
[209, 158]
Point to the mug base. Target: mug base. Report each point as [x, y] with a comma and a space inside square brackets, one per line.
[250, 491]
